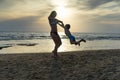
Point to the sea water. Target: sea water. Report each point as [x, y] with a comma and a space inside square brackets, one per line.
[37, 42]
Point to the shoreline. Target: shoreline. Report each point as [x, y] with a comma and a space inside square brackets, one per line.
[75, 65]
[35, 46]
[61, 52]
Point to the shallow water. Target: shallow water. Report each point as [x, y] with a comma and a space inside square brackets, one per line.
[46, 45]
[37, 42]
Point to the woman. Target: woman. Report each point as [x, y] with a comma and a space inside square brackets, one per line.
[54, 33]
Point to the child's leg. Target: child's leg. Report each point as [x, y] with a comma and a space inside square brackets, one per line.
[82, 40]
[73, 42]
[78, 43]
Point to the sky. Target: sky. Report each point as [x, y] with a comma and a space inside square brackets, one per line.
[82, 15]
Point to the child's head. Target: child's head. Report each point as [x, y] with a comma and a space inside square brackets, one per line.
[67, 26]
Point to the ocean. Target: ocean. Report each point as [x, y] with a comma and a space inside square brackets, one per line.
[37, 42]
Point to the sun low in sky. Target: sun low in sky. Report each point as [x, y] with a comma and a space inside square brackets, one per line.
[61, 8]
[83, 15]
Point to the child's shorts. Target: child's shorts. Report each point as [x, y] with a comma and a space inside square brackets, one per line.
[72, 38]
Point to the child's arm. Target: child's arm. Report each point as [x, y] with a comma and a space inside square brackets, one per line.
[60, 23]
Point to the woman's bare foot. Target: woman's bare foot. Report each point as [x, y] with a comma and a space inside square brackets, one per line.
[55, 55]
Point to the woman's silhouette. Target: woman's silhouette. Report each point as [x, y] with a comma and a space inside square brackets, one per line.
[54, 33]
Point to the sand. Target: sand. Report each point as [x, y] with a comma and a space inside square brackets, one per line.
[79, 65]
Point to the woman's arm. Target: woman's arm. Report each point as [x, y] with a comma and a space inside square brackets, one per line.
[60, 23]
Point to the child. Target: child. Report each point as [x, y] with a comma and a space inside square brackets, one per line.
[71, 37]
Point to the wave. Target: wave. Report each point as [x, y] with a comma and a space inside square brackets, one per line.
[1, 47]
[26, 44]
[31, 36]
[98, 36]
[23, 36]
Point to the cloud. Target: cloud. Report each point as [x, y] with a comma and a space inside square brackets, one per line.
[95, 14]
[96, 3]
[89, 4]
[106, 23]
[21, 8]
[27, 15]
[111, 19]
[7, 4]
[18, 15]
[25, 5]
[19, 24]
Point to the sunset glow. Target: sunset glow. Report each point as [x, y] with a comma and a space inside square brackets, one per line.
[83, 15]
[63, 12]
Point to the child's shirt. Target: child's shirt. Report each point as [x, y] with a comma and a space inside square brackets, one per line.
[70, 36]
[67, 32]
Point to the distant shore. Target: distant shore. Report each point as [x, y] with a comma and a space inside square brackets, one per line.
[76, 65]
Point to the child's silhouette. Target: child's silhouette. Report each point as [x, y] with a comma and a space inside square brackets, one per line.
[70, 36]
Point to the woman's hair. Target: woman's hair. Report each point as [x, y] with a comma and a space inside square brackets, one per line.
[53, 14]
[67, 26]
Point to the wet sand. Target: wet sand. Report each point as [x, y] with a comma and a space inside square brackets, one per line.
[79, 65]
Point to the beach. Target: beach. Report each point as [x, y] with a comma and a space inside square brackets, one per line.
[76, 65]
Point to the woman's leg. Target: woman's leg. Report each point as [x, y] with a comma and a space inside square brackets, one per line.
[57, 41]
